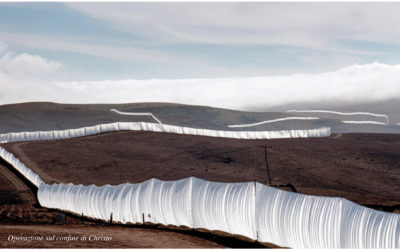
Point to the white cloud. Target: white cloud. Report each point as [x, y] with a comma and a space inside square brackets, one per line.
[93, 49]
[3, 47]
[311, 25]
[353, 84]
[25, 76]
[26, 65]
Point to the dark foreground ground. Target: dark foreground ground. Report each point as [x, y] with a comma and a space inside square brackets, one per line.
[364, 168]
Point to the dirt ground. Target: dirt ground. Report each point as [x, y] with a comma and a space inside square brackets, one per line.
[88, 236]
[364, 168]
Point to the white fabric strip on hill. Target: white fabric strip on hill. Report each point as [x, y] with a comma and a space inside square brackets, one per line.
[20, 167]
[138, 114]
[144, 126]
[365, 122]
[272, 121]
[341, 113]
[249, 209]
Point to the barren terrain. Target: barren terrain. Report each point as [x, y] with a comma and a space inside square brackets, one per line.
[364, 168]
[101, 236]
[45, 116]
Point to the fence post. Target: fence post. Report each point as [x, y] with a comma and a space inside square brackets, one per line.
[266, 162]
[255, 210]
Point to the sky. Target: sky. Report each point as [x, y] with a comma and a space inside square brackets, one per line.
[233, 55]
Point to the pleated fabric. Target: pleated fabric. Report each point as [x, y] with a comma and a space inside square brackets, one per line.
[363, 227]
[227, 207]
[296, 220]
[155, 127]
[249, 209]
[155, 201]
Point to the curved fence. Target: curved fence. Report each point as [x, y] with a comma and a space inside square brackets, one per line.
[344, 114]
[20, 167]
[302, 118]
[145, 126]
[250, 209]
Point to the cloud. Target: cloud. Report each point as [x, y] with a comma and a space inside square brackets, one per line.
[352, 84]
[3, 47]
[122, 53]
[176, 40]
[26, 65]
[320, 26]
[25, 76]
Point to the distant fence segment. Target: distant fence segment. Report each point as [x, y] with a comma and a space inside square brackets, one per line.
[154, 127]
[137, 114]
[347, 114]
[250, 209]
[365, 122]
[272, 121]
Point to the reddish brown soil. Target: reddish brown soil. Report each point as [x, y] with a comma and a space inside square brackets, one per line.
[17, 200]
[13, 190]
[112, 237]
[361, 167]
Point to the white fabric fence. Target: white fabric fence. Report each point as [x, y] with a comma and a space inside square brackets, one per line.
[342, 113]
[20, 167]
[272, 121]
[249, 209]
[137, 114]
[144, 126]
